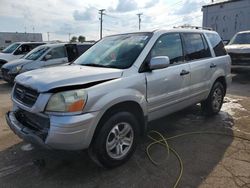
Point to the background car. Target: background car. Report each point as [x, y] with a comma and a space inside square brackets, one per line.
[17, 50]
[239, 49]
[43, 56]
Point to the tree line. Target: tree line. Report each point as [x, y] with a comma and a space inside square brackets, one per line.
[78, 39]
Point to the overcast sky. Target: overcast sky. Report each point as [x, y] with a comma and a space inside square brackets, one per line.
[80, 17]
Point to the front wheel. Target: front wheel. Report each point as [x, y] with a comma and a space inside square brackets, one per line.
[116, 141]
[213, 103]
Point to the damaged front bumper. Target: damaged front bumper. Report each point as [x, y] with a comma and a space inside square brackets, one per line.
[23, 132]
[63, 132]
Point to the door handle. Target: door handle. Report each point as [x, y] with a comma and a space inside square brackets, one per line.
[213, 65]
[184, 72]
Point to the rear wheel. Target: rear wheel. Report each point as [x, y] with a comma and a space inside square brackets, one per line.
[213, 103]
[116, 141]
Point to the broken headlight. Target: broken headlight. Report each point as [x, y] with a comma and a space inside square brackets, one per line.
[67, 101]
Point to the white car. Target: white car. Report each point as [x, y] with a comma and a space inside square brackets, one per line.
[43, 56]
[17, 50]
[239, 49]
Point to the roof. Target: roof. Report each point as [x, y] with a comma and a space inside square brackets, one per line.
[174, 30]
[220, 3]
[54, 44]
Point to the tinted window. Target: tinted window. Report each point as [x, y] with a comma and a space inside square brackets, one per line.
[58, 52]
[217, 44]
[195, 46]
[168, 45]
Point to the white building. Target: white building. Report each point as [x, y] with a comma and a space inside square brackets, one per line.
[6, 38]
[227, 17]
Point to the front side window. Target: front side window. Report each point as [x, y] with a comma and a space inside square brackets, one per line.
[23, 49]
[36, 53]
[240, 38]
[58, 52]
[169, 45]
[119, 51]
[11, 48]
[194, 47]
[217, 44]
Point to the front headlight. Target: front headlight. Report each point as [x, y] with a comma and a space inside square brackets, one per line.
[67, 101]
[16, 69]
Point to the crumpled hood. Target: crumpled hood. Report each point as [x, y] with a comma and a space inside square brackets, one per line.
[46, 79]
[15, 63]
[238, 48]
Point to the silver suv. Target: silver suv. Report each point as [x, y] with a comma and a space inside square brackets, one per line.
[104, 100]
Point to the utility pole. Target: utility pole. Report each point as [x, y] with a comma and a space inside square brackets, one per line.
[101, 12]
[69, 36]
[139, 17]
[48, 35]
[33, 29]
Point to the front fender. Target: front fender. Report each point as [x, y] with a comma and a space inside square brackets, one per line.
[119, 96]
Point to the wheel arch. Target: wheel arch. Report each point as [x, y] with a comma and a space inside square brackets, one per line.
[129, 106]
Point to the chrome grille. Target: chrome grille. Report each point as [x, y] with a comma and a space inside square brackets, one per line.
[25, 95]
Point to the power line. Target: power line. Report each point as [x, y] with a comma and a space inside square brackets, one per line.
[101, 12]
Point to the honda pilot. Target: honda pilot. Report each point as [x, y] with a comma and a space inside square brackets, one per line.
[105, 99]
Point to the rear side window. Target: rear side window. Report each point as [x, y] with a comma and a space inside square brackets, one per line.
[217, 44]
[169, 45]
[195, 46]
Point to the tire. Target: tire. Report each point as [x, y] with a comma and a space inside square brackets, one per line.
[212, 105]
[116, 141]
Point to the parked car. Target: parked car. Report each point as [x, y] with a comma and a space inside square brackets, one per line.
[239, 49]
[104, 100]
[43, 56]
[17, 50]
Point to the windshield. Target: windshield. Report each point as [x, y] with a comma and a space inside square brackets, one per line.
[36, 53]
[11, 48]
[118, 51]
[241, 38]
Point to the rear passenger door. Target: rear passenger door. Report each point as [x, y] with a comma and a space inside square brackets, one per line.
[58, 56]
[198, 56]
[168, 88]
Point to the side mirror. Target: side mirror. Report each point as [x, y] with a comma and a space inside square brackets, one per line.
[225, 42]
[159, 62]
[47, 57]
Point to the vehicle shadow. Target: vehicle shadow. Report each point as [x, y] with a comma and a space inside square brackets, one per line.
[199, 153]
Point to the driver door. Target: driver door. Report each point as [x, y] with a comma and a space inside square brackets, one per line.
[168, 88]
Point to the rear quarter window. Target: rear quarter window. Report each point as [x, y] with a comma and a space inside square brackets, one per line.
[195, 46]
[217, 44]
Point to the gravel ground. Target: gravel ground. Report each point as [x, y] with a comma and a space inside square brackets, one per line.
[209, 160]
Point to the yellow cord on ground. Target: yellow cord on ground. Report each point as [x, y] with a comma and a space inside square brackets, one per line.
[164, 142]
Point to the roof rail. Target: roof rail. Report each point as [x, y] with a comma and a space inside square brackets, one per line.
[193, 27]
